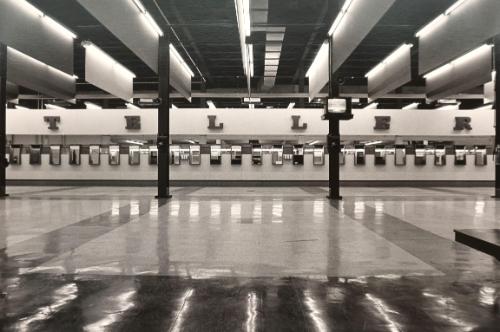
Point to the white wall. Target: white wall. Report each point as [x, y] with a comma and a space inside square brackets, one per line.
[249, 123]
[97, 126]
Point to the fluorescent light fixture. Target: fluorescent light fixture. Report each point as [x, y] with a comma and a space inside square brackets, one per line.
[53, 107]
[371, 106]
[179, 59]
[454, 7]
[140, 6]
[131, 106]
[449, 107]
[448, 101]
[243, 16]
[412, 106]
[21, 107]
[390, 58]
[28, 6]
[484, 108]
[374, 143]
[244, 27]
[291, 105]
[90, 105]
[37, 12]
[106, 57]
[134, 142]
[211, 105]
[250, 59]
[50, 68]
[321, 53]
[440, 19]
[441, 70]
[431, 26]
[340, 16]
[59, 27]
[153, 24]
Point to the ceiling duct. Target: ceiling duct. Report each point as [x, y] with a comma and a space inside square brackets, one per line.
[273, 43]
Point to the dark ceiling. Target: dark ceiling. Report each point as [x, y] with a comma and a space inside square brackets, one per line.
[208, 31]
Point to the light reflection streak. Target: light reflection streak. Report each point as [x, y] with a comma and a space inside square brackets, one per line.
[62, 296]
[257, 212]
[184, 308]
[359, 210]
[277, 211]
[449, 308]
[236, 212]
[385, 312]
[174, 209]
[251, 312]
[487, 296]
[115, 208]
[480, 205]
[194, 209]
[154, 208]
[134, 207]
[123, 303]
[319, 209]
[314, 312]
[214, 209]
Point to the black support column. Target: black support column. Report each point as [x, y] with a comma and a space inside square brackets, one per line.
[3, 118]
[497, 117]
[163, 139]
[333, 138]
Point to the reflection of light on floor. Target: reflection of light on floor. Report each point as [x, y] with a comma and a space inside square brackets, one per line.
[277, 211]
[379, 207]
[487, 295]
[359, 210]
[194, 209]
[134, 208]
[257, 212]
[181, 315]
[480, 205]
[251, 312]
[318, 209]
[450, 309]
[236, 212]
[62, 296]
[214, 209]
[115, 208]
[314, 312]
[154, 208]
[123, 302]
[385, 312]
[174, 208]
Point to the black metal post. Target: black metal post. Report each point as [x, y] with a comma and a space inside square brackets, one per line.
[3, 118]
[497, 117]
[163, 139]
[333, 138]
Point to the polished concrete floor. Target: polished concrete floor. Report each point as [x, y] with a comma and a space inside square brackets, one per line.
[246, 259]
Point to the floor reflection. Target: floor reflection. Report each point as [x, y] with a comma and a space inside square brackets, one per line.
[265, 260]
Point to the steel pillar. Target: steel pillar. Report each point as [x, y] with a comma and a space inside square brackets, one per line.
[333, 138]
[163, 139]
[3, 119]
[497, 118]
